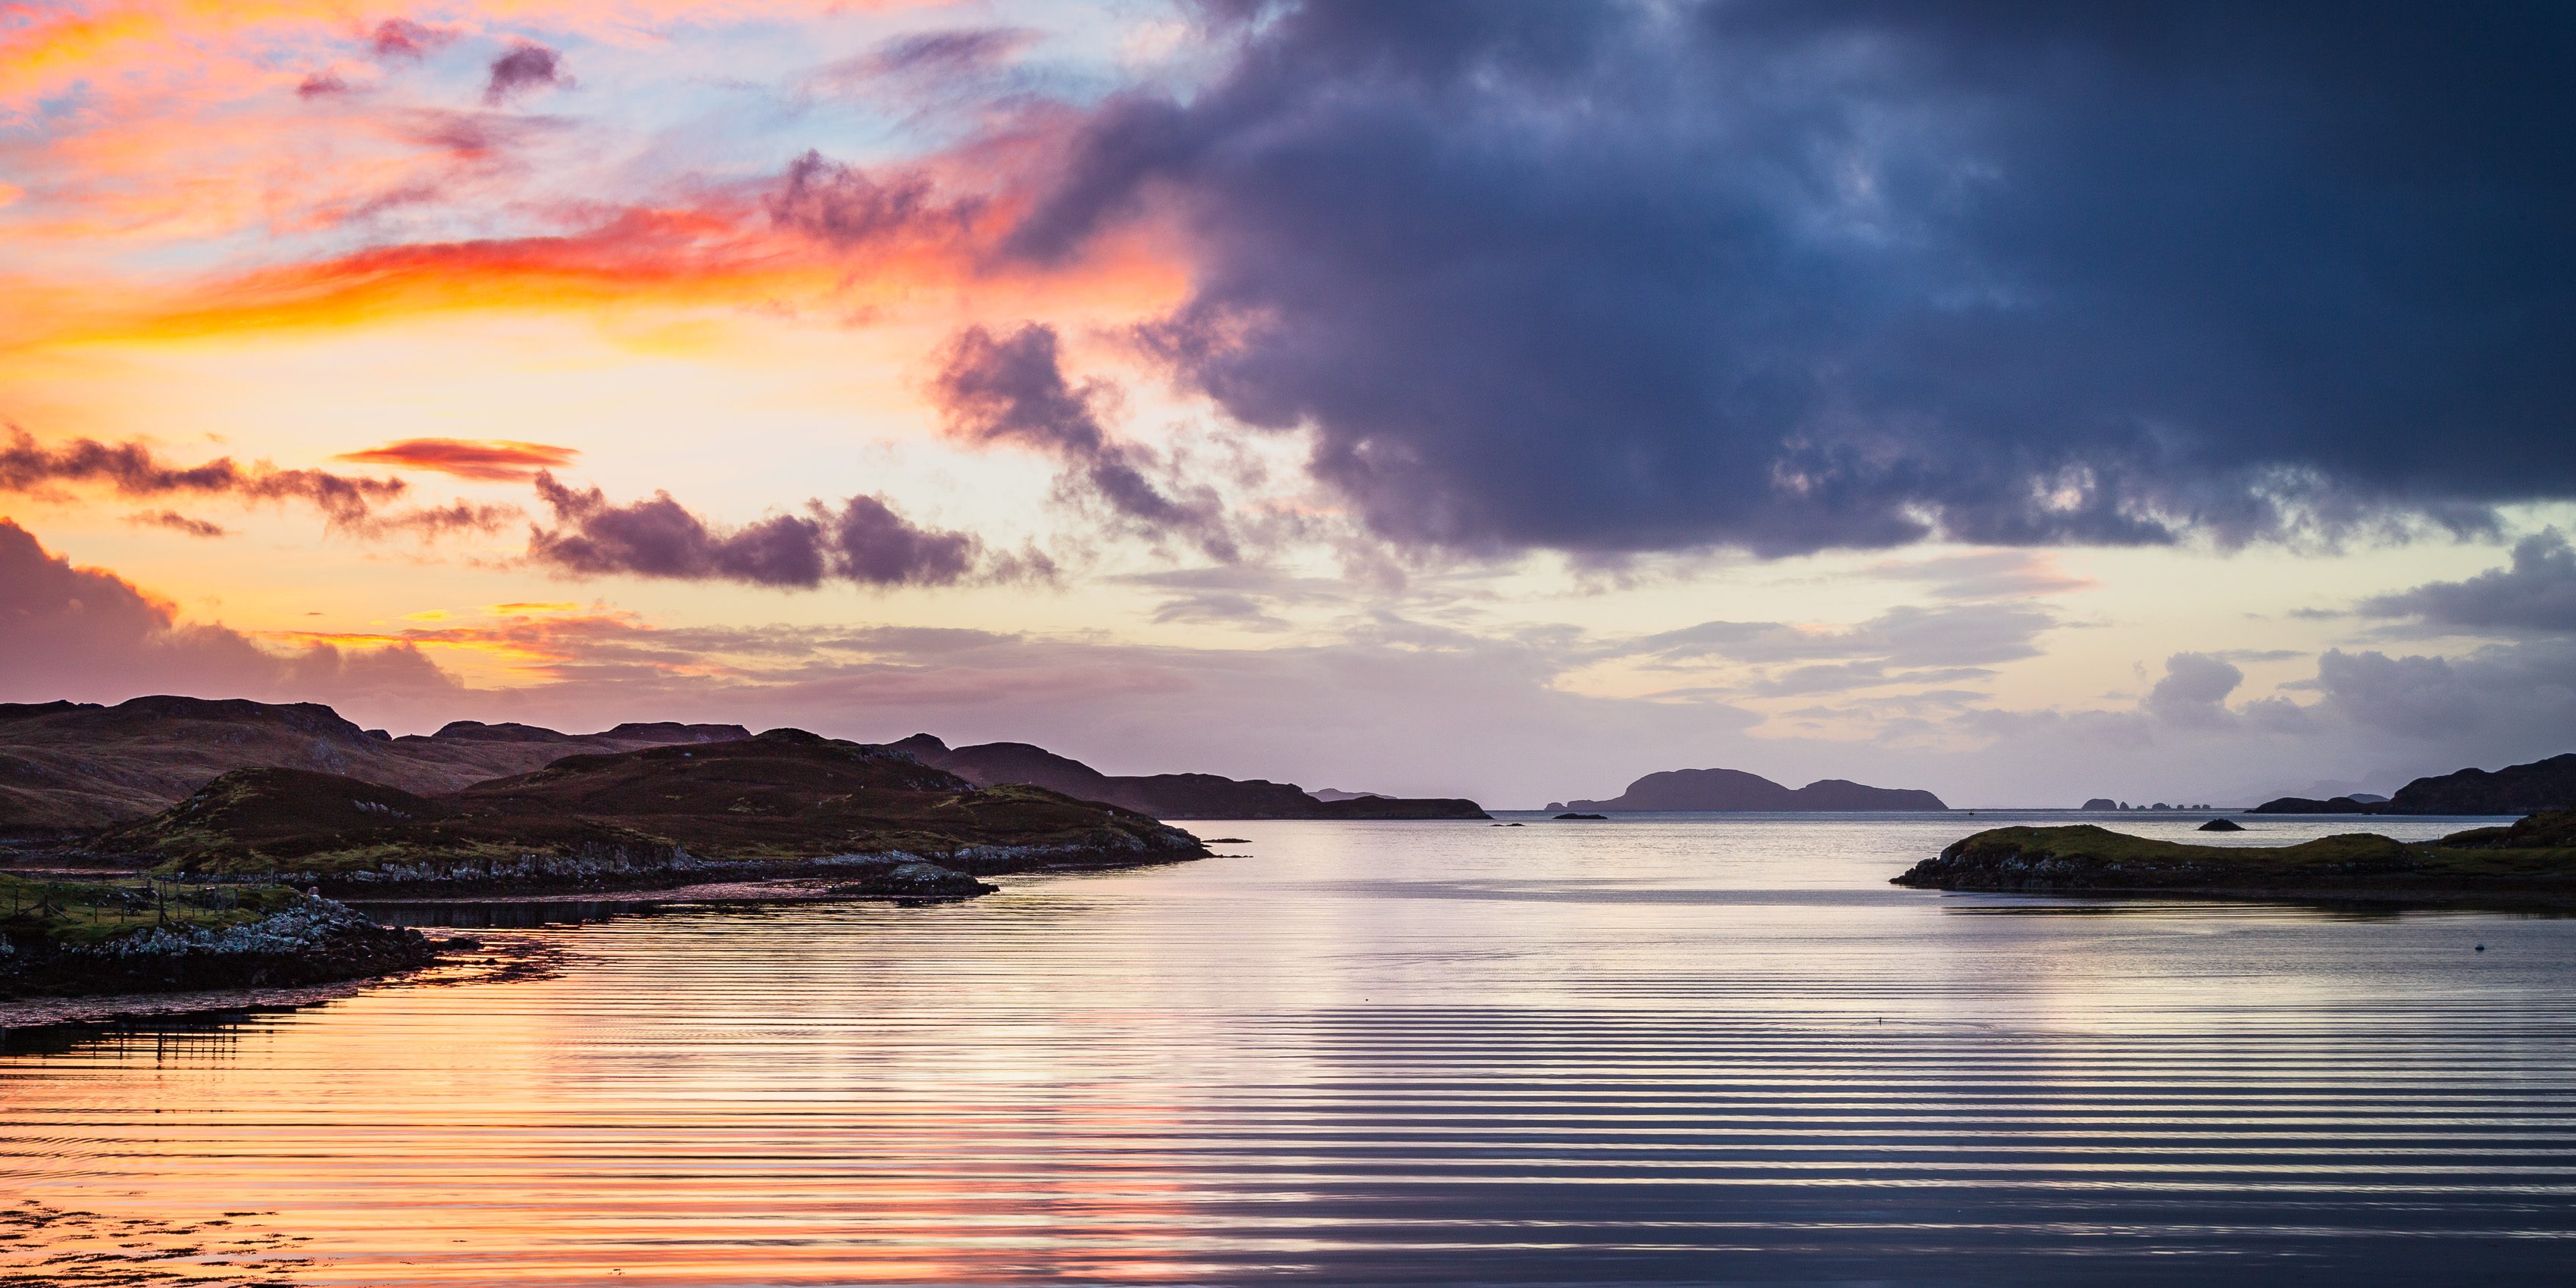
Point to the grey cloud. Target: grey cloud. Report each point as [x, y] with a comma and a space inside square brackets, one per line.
[1992, 574]
[863, 541]
[1956, 635]
[2537, 593]
[1012, 389]
[2194, 690]
[133, 469]
[955, 52]
[176, 522]
[1838, 273]
[2417, 697]
[526, 67]
[401, 39]
[2279, 715]
[850, 207]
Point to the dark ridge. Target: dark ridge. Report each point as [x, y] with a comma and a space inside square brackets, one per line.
[77, 767]
[1166, 795]
[1735, 790]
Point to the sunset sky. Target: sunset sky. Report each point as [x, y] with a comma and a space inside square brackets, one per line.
[1489, 400]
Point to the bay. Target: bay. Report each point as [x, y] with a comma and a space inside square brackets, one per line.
[1664, 1048]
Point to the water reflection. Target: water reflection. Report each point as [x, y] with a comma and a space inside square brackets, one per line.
[1668, 1050]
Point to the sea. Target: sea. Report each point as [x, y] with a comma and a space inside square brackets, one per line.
[1664, 1048]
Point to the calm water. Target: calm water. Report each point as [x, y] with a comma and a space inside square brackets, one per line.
[1678, 1049]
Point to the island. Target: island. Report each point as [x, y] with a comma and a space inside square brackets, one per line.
[2533, 861]
[1736, 790]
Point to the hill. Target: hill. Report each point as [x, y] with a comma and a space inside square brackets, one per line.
[1164, 795]
[71, 766]
[1733, 789]
[785, 803]
[2539, 786]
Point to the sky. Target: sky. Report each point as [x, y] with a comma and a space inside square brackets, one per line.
[2026, 402]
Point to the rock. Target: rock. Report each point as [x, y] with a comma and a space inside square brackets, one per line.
[2219, 825]
[1602, 817]
[2101, 804]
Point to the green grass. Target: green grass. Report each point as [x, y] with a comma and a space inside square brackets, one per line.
[89, 912]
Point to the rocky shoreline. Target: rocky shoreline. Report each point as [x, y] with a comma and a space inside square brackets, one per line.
[316, 941]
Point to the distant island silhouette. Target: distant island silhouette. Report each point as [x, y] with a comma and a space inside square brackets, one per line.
[1734, 789]
[2515, 789]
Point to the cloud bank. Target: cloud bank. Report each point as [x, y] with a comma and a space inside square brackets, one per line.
[1791, 276]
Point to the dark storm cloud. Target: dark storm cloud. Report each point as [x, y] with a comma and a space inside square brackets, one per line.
[1012, 389]
[863, 541]
[2537, 593]
[1791, 276]
[525, 67]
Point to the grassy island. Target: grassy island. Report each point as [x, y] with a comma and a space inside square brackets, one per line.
[2533, 861]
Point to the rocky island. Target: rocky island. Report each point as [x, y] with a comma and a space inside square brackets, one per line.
[2531, 862]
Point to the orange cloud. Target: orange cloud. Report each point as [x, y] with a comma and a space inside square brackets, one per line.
[498, 460]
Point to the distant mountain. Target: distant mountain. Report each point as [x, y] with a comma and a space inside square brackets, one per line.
[1733, 789]
[1163, 795]
[75, 766]
[2515, 789]
[1337, 794]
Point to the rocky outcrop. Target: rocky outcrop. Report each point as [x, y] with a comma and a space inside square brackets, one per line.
[313, 942]
[1736, 790]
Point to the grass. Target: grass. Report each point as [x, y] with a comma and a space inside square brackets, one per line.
[75, 913]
